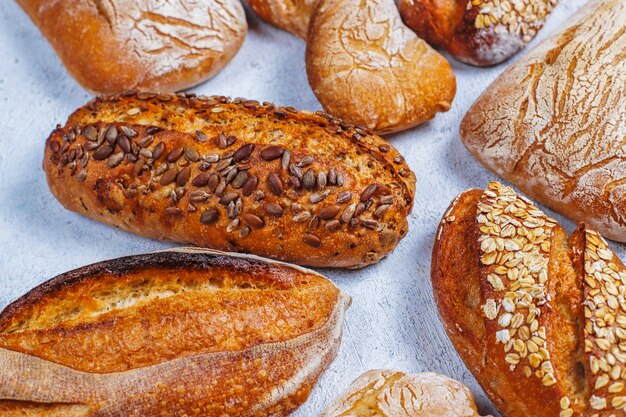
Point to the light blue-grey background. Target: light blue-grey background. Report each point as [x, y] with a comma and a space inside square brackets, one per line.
[392, 323]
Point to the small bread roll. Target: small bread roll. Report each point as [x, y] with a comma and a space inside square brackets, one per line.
[477, 32]
[119, 45]
[290, 15]
[386, 393]
[367, 68]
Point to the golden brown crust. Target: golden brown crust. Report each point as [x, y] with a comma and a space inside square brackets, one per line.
[478, 32]
[532, 125]
[237, 176]
[118, 45]
[290, 15]
[187, 328]
[30, 409]
[534, 315]
[382, 393]
[366, 67]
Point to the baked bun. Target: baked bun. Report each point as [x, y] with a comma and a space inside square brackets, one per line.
[477, 32]
[367, 68]
[383, 392]
[119, 45]
[183, 332]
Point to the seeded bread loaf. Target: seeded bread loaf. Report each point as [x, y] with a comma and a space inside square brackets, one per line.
[290, 15]
[118, 45]
[184, 332]
[554, 123]
[366, 67]
[477, 32]
[536, 316]
[237, 176]
[387, 393]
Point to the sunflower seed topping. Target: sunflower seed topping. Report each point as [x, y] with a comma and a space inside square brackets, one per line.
[272, 152]
[209, 216]
[275, 184]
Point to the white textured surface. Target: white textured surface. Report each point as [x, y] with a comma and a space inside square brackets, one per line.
[393, 321]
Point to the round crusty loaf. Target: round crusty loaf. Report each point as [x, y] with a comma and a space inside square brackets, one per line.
[290, 15]
[184, 332]
[537, 316]
[478, 32]
[554, 123]
[383, 392]
[366, 67]
[233, 175]
[120, 45]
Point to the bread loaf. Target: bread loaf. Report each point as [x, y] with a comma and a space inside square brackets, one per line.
[478, 32]
[536, 316]
[290, 15]
[184, 332]
[118, 45]
[366, 67]
[236, 176]
[554, 123]
[381, 393]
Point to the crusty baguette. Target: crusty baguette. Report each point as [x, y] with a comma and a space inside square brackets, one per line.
[366, 67]
[478, 32]
[290, 15]
[535, 315]
[184, 332]
[237, 176]
[118, 45]
[387, 393]
[554, 123]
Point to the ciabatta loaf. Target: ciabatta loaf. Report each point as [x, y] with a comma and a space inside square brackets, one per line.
[117, 45]
[554, 123]
[185, 332]
[537, 316]
[383, 392]
[237, 176]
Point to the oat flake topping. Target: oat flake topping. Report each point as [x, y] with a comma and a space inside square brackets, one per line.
[521, 18]
[514, 250]
[605, 324]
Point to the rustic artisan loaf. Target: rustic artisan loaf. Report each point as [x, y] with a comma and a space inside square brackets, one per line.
[366, 67]
[478, 32]
[184, 332]
[537, 317]
[554, 123]
[387, 393]
[118, 45]
[237, 176]
[290, 15]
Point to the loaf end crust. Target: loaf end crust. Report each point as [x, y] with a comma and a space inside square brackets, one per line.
[114, 46]
[290, 15]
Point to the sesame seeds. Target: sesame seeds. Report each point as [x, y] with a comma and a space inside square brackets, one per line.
[516, 264]
[605, 323]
